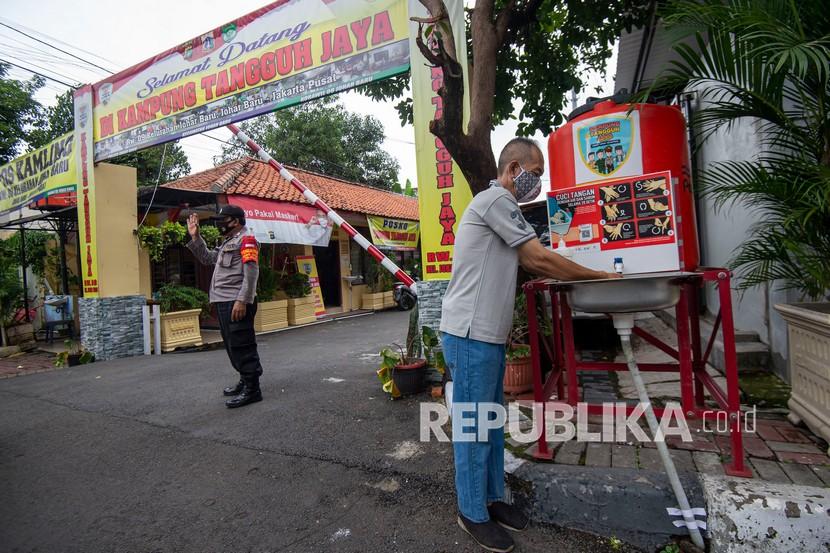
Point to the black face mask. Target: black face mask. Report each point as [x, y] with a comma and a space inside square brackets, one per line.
[225, 226]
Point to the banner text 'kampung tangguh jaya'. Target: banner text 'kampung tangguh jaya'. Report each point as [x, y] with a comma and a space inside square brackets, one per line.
[38, 174]
[283, 54]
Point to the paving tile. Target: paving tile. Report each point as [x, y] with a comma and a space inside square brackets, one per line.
[754, 447]
[699, 442]
[650, 460]
[793, 448]
[793, 435]
[623, 456]
[598, 455]
[770, 471]
[707, 462]
[802, 475]
[823, 472]
[802, 458]
[569, 453]
[768, 432]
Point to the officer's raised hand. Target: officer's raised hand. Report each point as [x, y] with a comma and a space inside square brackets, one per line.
[238, 311]
[193, 225]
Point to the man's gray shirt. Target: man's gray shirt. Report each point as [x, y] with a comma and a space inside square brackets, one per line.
[480, 296]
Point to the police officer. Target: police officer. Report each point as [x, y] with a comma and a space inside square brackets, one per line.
[233, 292]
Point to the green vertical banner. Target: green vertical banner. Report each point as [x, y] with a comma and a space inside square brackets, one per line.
[443, 192]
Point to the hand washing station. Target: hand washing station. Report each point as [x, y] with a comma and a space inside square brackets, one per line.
[621, 199]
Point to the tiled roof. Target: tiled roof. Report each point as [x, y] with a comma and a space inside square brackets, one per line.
[252, 177]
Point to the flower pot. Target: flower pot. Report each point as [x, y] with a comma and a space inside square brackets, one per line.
[373, 301]
[518, 375]
[301, 311]
[409, 379]
[180, 329]
[389, 299]
[271, 315]
[808, 331]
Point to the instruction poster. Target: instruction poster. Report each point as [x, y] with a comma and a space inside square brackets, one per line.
[308, 266]
[613, 214]
[607, 146]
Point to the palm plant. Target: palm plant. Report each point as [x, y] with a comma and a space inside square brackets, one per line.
[767, 62]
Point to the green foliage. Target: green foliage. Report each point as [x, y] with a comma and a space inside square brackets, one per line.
[155, 240]
[36, 249]
[323, 136]
[432, 348]
[389, 359]
[175, 297]
[544, 57]
[766, 64]
[408, 190]
[20, 114]
[210, 235]
[671, 548]
[296, 285]
[73, 348]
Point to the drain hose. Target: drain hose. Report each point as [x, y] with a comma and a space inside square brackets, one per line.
[671, 471]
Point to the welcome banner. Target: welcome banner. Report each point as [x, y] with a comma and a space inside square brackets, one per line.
[39, 174]
[443, 192]
[288, 52]
[284, 222]
[393, 234]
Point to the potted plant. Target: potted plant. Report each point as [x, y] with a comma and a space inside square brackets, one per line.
[181, 307]
[374, 298]
[272, 313]
[401, 373]
[434, 355]
[748, 75]
[75, 354]
[518, 370]
[301, 308]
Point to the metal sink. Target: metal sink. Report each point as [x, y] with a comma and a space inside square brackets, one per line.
[630, 294]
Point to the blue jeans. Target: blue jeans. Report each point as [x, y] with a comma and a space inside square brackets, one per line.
[477, 370]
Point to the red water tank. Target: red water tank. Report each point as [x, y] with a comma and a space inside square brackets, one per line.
[611, 141]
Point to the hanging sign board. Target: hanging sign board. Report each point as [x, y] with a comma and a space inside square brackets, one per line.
[307, 265]
[632, 218]
[393, 234]
[282, 54]
[607, 146]
[47, 171]
[284, 222]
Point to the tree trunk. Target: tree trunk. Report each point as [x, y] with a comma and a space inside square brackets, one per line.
[470, 149]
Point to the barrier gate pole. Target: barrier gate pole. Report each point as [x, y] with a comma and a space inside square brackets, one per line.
[387, 263]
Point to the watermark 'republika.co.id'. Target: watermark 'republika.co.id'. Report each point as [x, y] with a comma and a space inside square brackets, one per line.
[562, 422]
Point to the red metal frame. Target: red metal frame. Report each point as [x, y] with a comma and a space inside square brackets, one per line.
[691, 360]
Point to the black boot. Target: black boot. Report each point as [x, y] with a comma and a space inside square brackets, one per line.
[250, 394]
[234, 390]
[488, 535]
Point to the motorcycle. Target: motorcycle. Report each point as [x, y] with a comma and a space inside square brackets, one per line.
[405, 298]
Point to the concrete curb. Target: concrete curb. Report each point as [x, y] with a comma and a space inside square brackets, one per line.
[628, 504]
[764, 517]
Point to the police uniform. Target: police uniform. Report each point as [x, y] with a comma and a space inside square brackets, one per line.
[234, 279]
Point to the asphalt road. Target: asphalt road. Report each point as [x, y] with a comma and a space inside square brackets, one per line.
[140, 455]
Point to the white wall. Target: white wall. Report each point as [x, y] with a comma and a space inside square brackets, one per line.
[722, 231]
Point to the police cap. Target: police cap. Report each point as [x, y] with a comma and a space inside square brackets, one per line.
[233, 211]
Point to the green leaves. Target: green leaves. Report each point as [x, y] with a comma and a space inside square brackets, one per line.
[324, 137]
[764, 63]
[174, 297]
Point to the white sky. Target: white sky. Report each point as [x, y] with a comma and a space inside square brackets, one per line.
[127, 32]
